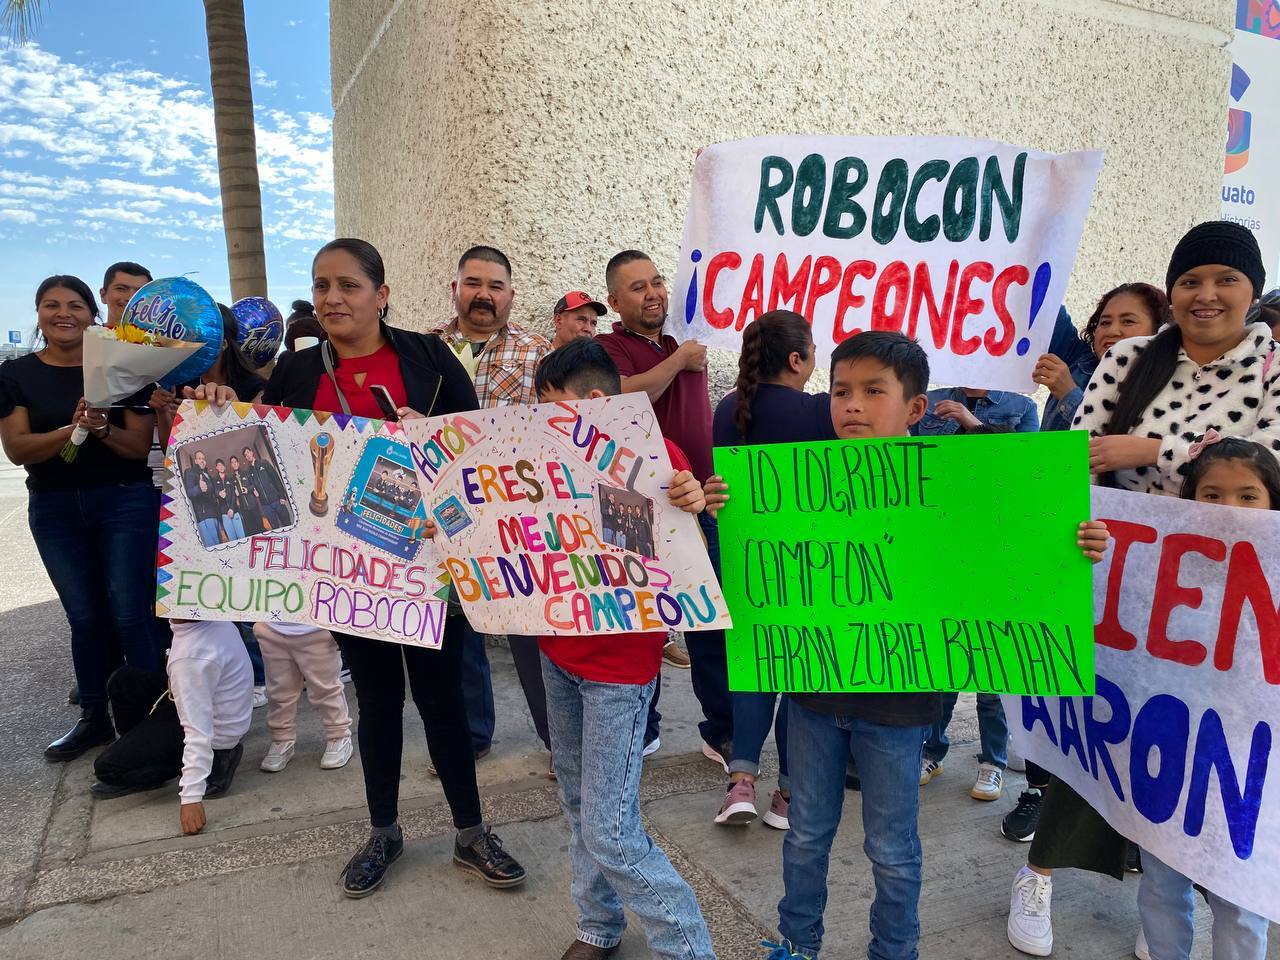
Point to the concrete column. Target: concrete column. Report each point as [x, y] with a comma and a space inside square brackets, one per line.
[564, 131]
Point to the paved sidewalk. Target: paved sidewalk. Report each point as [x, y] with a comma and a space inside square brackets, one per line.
[115, 879]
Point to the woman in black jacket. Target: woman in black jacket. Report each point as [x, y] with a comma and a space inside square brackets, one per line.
[424, 379]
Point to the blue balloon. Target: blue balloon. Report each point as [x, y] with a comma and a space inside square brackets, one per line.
[177, 308]
[261, 329]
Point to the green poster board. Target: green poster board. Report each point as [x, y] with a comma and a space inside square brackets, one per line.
[909, 564]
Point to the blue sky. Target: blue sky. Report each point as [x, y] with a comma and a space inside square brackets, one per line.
[107, 146]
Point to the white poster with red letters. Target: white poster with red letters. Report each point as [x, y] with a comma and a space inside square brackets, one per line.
[1178, 748]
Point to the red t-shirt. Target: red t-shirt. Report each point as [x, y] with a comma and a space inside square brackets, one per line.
[380, 367]
[632, 658]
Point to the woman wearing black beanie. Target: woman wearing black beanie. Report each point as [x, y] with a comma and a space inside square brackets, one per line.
[1150, 399]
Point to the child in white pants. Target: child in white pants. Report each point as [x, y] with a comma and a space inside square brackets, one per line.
[294, 653]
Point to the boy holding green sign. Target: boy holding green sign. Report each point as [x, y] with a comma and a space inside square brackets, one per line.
[878, 383]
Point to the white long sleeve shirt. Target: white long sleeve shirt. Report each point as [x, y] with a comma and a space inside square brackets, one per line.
[212, 684]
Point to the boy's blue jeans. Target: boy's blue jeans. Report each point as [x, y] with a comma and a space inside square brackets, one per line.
[1166, 904]
[597, 738]
[993, 730]
[753, 715]
[888, 760]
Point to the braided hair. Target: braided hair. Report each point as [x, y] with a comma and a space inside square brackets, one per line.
[767, 345]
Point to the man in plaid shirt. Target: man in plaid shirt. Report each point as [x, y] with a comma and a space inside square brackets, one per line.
[500, 357]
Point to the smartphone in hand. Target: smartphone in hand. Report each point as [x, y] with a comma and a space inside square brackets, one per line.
[385, 403]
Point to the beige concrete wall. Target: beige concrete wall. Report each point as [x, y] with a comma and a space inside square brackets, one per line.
[564, 131]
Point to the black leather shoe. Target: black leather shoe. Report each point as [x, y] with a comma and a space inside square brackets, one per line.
[586, 951]
[222, 771]
[365, 871]
[109, 791]
[486, 857]
[93, 729]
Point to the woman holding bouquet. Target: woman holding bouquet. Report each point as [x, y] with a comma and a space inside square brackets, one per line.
[424, 379]
[93, 519]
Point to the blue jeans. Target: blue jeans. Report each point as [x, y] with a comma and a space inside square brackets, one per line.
[234, 526]
[209, 531]
[477, 688]
[99, 547]
[255, 653]
[888, 760]
[993, 731]
[597, 737]
[753, 715]
[1166, 904]
[709, 664]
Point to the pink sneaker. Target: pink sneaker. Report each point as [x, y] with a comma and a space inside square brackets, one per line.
[776, 815]
[739, 807]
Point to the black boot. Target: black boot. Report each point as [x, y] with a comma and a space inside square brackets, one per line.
[92, 730]
[222, 771]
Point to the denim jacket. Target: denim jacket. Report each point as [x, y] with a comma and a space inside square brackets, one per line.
[1068, 346]
[1012, 411]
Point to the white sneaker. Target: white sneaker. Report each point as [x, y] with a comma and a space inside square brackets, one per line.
[277, 757]
[259, 697]
[1140, 948]
[1030, 925]
[336, 754]
[652, 747]
[928, 770]
[989, 783]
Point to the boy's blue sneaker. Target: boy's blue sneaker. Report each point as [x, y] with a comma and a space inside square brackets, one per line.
[782, 951]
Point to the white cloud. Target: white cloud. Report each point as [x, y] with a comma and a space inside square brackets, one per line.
[260, 79]
[116, 213]
[124, 188]
[18, 216]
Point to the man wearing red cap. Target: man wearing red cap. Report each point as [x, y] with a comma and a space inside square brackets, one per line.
[575, 315]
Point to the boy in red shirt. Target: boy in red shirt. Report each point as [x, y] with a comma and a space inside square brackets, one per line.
[598, 692]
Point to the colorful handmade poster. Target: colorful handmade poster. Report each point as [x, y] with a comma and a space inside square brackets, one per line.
[964, 245]
[295, 516]
[554, 520]
[1178, 748]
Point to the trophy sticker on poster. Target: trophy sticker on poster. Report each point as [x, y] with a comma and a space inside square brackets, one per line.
[294, 516]
[321, 454]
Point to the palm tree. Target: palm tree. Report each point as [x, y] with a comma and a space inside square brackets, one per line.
[233, 125]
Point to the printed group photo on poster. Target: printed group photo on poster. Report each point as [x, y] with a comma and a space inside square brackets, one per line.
[233, 484]
[626, 517]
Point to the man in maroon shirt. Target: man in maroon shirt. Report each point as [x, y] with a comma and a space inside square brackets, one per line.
[675, 378]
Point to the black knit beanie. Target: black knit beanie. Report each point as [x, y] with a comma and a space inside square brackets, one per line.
[1218, 241]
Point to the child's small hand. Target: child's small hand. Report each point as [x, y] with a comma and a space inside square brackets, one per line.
[716, 493]
[429, 528]
[193, 819]
[1092, 539]
[685, 492]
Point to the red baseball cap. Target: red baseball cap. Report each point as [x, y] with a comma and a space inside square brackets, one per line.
[576, 298]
